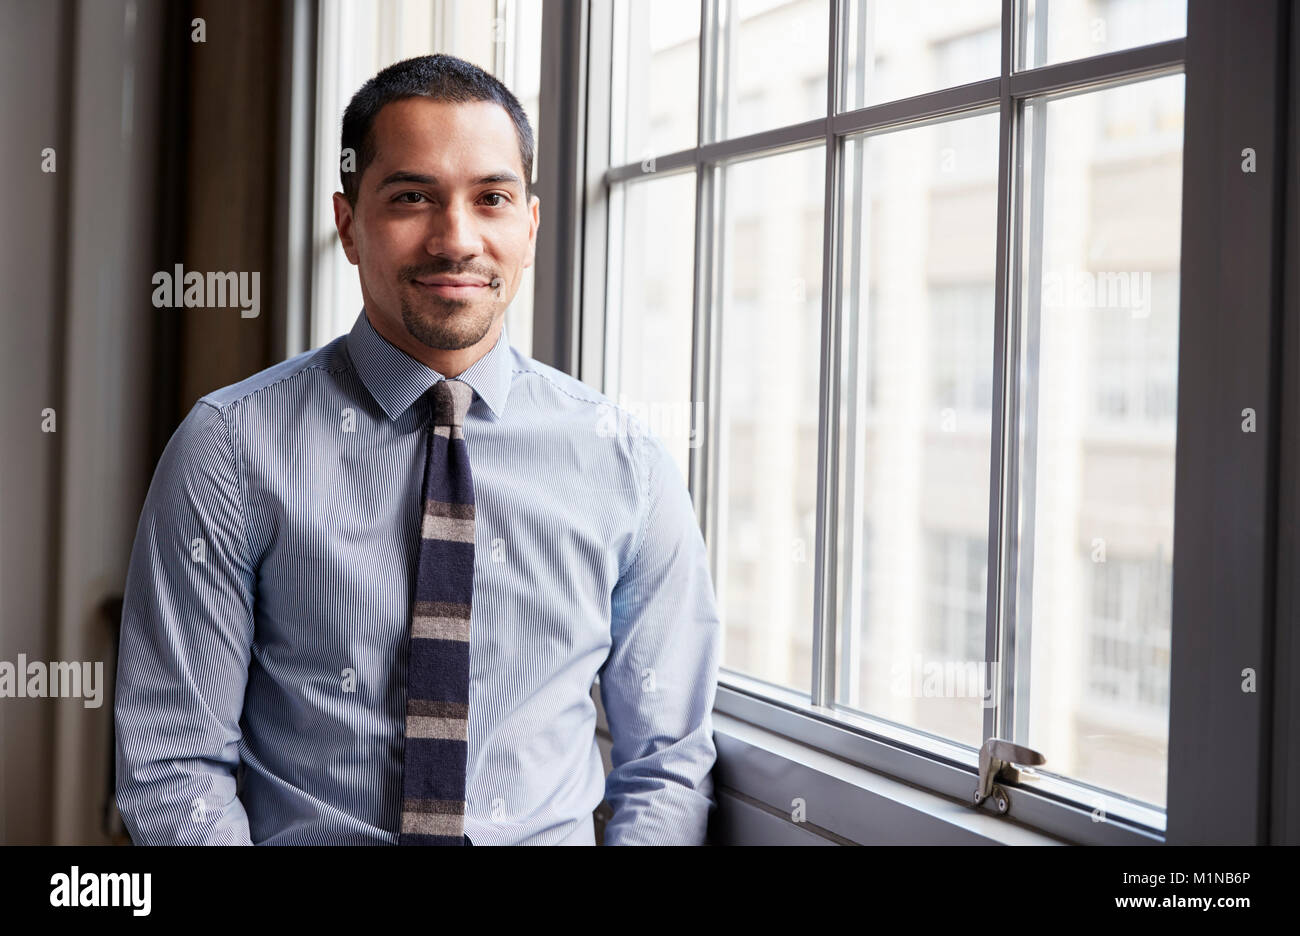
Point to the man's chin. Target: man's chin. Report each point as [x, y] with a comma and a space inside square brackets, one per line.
[444, 325]
[423, 300]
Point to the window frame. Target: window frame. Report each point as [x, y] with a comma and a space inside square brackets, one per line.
[1226, 747]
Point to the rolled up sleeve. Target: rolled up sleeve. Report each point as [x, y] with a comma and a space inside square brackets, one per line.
[187, 630]
[659, 682]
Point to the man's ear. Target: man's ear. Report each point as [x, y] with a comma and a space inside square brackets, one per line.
[343, 221]
[534, 224]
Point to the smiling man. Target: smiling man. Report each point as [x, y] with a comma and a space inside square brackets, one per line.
[373, 586]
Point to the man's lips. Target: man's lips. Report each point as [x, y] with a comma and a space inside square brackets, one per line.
[450, 287]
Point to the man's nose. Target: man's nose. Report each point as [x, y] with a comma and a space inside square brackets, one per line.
[455, 233]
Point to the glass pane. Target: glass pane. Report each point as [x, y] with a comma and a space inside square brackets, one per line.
[1099, 352]
[1075, 29]
[776, 70]
[767, 433]
[656, 79]
[652, 333]
[899, 48]
[916, 410]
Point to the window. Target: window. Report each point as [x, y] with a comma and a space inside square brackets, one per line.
[1075, 29]
[660, 44]
[921, 246]
[769, 309]
[898, 48]
[961, 349]
[1133, 361]
[650, 341]
[937, 487]
[1090, 312]
[768, 49]
[1122, 717]
[952, 637]
[1128, 646]
[358, 38]
[955, 580]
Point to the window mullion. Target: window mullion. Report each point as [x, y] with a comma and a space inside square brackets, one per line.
[1016, 717]
[998, 628]
[825, 617]
[704, 373]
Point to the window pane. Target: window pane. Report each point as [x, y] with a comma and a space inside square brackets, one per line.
[767, 437]
[899, 48]
[656, 93]
[651, 332]
[1075, 29]
[1099, 354]
[919, 268]
[776, 72]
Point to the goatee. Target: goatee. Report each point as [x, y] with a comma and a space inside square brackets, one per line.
[456, 329]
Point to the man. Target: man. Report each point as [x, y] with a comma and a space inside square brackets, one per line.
[379, 580]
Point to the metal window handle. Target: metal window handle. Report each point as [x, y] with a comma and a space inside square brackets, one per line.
[998, 760]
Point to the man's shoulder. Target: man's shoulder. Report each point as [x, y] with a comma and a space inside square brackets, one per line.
[552, 386]
[547, 381]
[575, 409]
[330, 358]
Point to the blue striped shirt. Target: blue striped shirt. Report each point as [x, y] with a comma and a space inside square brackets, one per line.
[259, 694]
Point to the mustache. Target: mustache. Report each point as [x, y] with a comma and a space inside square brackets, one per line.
[438, 268]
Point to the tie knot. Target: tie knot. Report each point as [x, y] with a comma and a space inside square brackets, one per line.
[451, 399]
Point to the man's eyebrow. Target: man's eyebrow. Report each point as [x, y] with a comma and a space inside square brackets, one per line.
[418, 178]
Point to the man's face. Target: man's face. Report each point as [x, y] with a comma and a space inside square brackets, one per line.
[440, 232]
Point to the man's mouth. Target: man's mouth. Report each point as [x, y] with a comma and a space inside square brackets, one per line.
[452, 287]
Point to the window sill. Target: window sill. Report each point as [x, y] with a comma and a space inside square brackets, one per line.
[841, 802]
[901, 797]
[771, 753]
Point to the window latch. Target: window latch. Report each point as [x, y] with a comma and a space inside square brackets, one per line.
[998, 762]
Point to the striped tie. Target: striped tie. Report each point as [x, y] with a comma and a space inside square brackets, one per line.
[437, 690]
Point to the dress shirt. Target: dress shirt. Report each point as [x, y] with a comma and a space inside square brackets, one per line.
[260, 697]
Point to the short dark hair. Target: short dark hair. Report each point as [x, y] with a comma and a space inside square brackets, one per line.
[441, 78]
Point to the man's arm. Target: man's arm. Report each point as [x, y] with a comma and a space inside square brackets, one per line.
[659, 681]
[187, 628]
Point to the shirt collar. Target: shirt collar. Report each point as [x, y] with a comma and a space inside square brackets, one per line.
[396, 380]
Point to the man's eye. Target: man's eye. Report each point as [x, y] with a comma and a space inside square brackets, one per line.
[494, 195]
[405, 199]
